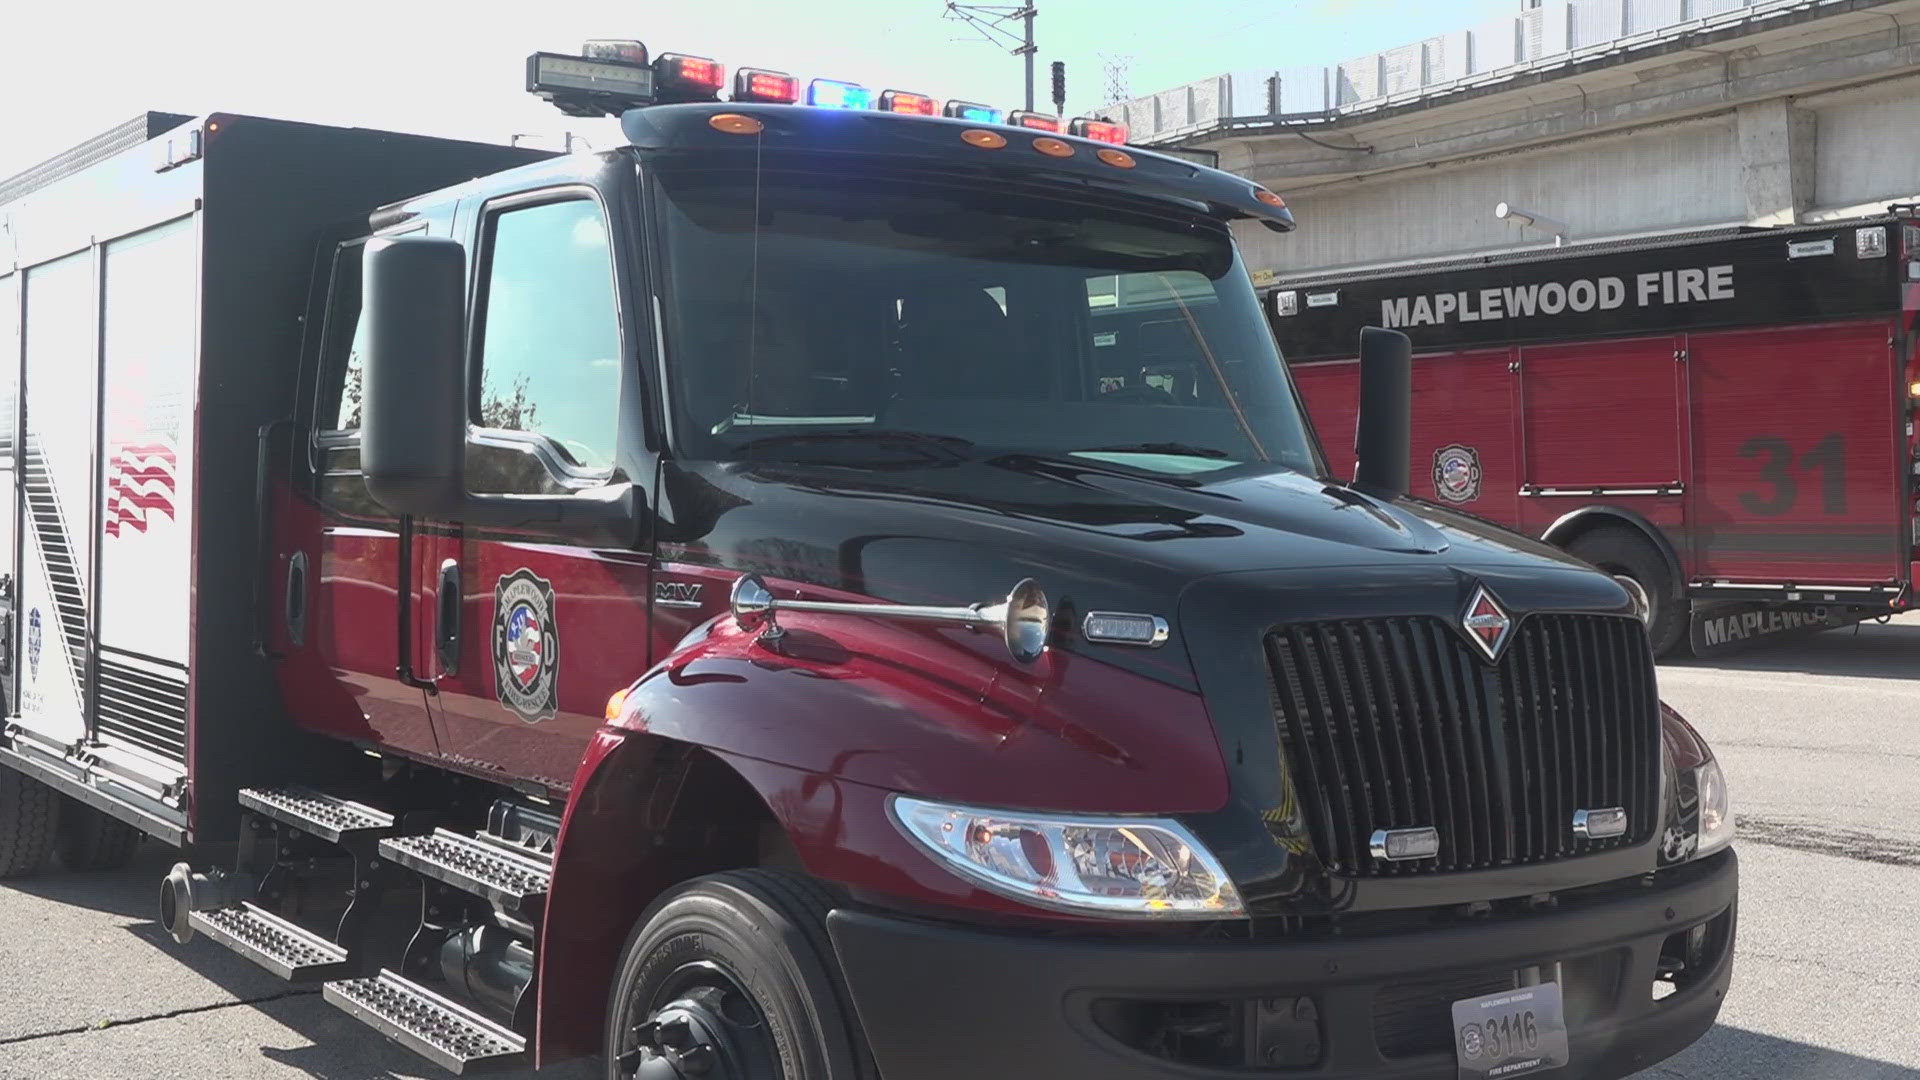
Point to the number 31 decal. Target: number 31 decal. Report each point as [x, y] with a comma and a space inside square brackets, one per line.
[1829, 455]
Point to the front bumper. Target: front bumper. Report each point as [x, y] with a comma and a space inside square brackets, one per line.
[943, 1003]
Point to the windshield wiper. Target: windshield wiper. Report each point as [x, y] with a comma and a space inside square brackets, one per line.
[952, 445]
[1171, 449]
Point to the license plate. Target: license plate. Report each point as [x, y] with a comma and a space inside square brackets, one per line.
[1511, 1033]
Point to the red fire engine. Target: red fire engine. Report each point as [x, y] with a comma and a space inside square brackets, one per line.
[819, 592]
[1727, 418]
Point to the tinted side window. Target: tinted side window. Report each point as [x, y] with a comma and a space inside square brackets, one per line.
[550, 339]
[340, 361]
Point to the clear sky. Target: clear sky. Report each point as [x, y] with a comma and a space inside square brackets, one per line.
[73, 68]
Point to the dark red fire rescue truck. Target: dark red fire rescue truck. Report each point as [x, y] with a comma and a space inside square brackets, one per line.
[818, 592]
[1727, 418]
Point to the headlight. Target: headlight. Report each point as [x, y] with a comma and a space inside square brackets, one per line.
[1716, 816]
[1699, 818]
[1121, 867]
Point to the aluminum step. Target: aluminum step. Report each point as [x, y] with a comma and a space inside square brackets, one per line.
[318, 813]
[511, 877]
[292, 952]
[449, 1035]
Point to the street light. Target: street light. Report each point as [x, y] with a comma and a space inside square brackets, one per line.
[1509, 212]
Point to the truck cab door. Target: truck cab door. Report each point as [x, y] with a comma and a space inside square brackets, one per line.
[534, 629]
[340, 586]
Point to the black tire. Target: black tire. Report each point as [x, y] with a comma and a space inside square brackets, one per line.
[29, 822]
[90, 840]
[1620, 550]
[767, 931]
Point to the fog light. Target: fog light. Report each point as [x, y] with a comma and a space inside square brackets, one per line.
[1400, 845]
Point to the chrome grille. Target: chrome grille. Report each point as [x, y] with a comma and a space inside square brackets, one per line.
[1400, 723]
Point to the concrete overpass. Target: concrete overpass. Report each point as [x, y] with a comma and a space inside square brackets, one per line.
[1759, 112]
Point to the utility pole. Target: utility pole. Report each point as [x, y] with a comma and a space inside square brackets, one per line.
[993, 22]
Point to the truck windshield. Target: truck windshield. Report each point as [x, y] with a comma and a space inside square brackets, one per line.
[844, 319]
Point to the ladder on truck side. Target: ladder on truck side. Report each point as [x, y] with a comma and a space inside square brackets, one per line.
[466, 881]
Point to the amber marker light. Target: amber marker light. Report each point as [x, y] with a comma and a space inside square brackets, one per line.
[982, 138]
[1053, 147]
[735, 124]
[1119, 159]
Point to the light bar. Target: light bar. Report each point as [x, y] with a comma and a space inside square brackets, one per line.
[760, 84]
[834, 94]
[582, 86]
[625, 51]
[899, 101]
[1098, 130]
[1035, 120]
[973, 113]
[678, 77]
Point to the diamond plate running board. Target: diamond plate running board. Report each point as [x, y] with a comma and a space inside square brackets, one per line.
[450, 1035]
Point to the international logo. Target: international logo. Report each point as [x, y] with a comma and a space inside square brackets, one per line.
[1456, 473]
[1487, 623]
[526, 646]
[33, 644]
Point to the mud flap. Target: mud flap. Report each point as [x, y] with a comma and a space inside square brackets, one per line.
[1722, 629]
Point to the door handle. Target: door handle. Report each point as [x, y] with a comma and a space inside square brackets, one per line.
[447, 620]
[296, 606]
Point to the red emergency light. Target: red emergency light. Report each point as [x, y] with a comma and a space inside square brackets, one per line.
[1098, 130]
[899, 101]
[679, 77]
[1038, 121]
[760, 84]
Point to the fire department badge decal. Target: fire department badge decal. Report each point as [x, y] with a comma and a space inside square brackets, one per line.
[1456, 473]
[526, 646]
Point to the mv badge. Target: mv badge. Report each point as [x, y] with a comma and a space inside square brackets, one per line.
[1487, 623]
[1456, 473]
[526, 646]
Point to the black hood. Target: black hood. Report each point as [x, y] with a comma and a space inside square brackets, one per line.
[1224, 559]
[1095, 537]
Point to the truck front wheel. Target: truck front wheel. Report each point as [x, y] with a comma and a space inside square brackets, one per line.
[732, 977]
[1625, 552]
[29, 822]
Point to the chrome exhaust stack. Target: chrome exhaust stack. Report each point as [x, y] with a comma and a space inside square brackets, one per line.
[183, 891]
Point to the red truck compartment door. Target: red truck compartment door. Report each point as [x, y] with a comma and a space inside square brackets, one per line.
[1462, 445]
[1795, 452]
[1601, 423]
[1331, 390]
[1602, 414]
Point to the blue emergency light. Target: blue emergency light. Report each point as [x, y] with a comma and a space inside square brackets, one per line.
[973, 113]
[833, 94]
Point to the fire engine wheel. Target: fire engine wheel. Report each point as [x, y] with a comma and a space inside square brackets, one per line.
[1623, 551]
[732, 977]
[29, 821]
[90, 840]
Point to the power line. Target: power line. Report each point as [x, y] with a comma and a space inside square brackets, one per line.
[993, 22]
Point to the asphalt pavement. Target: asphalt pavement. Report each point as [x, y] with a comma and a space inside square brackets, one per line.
[1820, 738]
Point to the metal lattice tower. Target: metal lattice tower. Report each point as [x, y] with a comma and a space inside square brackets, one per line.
[1116, 70]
